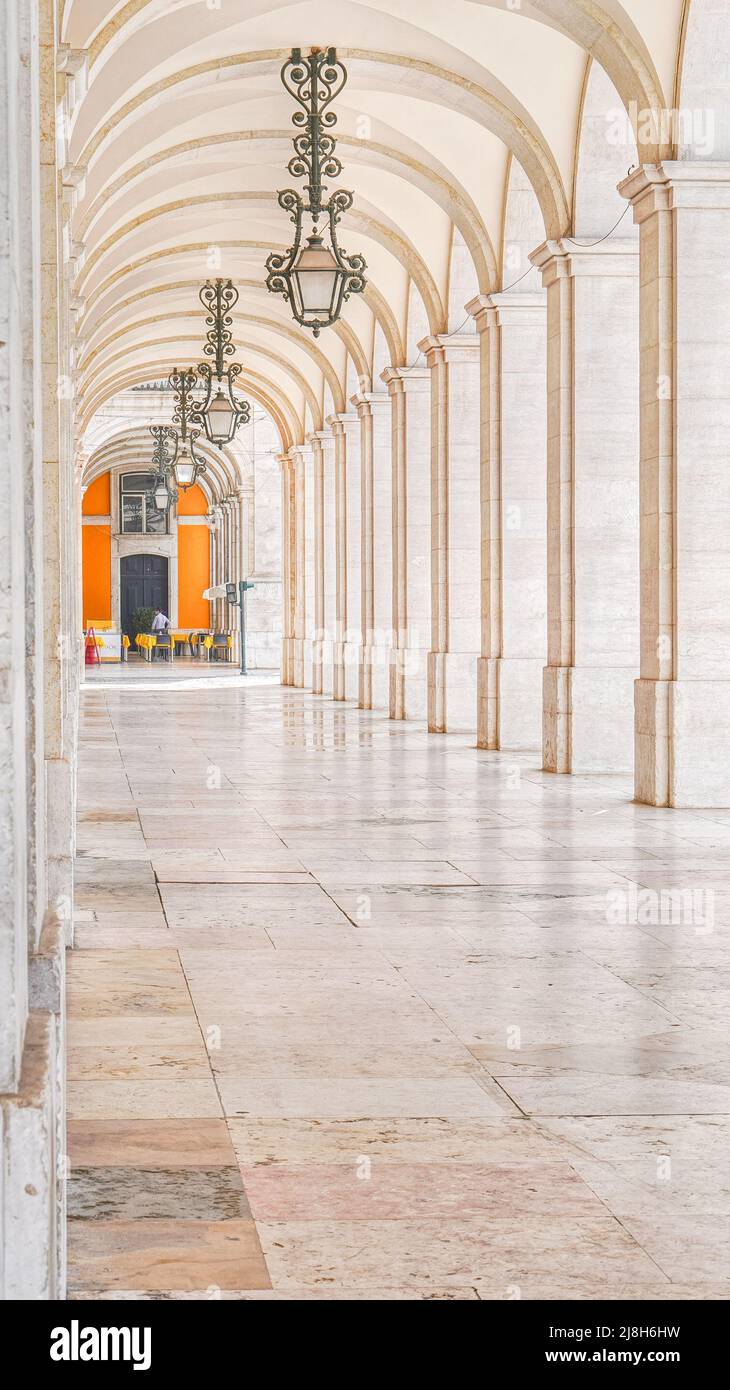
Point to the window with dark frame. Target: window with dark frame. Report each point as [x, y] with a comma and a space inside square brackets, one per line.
[138, 514]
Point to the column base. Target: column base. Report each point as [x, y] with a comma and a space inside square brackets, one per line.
[298, 663]
[328, 669]
[682, 755]
[556, 712]
[365, 678]
[452, 692]
[338, 671]
[351, 657]
[287, 661]
[317, 671]
[587, 719]
[488, 702]
[408, 696]
[33, 1267]
[374, 677]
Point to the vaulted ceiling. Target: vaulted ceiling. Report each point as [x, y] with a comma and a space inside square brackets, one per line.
[178, 133]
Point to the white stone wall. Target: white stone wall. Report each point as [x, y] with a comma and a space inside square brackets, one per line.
[38, 663]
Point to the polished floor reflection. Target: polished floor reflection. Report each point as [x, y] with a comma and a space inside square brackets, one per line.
[361, 1012]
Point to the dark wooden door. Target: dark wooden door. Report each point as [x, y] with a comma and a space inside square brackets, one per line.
[143, 584]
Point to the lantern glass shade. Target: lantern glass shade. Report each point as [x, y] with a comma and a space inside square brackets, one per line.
[161, 495]
[220, 418]
[184, 468]
[315, 280]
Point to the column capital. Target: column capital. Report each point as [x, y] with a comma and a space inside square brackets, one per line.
[367, 401]
[449, 347]
[572, 257]
[676, 184]
[406, 379]
[492, 310]
[338, 422]
[71, 60]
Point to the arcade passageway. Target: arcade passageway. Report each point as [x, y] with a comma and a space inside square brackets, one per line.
[378, 350]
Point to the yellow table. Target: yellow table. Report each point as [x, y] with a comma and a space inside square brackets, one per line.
[182, 637]
[145, 641]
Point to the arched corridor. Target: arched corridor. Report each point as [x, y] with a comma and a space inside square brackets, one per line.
[395, 962]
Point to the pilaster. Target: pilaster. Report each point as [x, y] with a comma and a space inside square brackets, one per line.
[682, 696]
[337, 430]
[512, 338]
[592, 503]
[409, 390]
[376, 523]
[453, 361]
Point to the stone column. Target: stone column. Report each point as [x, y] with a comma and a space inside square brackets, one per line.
[340, 495]
[297, 465]
[453, 361]
[232, 501]
[409, 389]
[309, 563]
[39, 526]
[239, 557]
[227, 506]
[59, 543]
[512, 329]
[263, 552]
[316, 443]
[682, 698]
[212, 542]
[211, 558]
[216, 560]
[593, 504]
[231, 575]
[351, 611]
[329, 549]
[220, 558]
[376, 537]
[224, 550]
[288, 571]
[242, 495]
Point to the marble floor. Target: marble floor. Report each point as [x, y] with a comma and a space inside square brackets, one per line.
[359, 1012]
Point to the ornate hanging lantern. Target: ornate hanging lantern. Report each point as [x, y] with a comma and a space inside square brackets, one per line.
[163, 495]
[220, 413]
[315, 276]
[185, 466]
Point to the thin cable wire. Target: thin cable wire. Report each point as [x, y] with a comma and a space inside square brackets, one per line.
[587, 245]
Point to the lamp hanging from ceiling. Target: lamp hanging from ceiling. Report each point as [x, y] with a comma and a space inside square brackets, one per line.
[315, 276]
[162, 493]
[220, 413]
[185, 466]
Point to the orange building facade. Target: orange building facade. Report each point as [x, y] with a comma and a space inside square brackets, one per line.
[124, 564]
